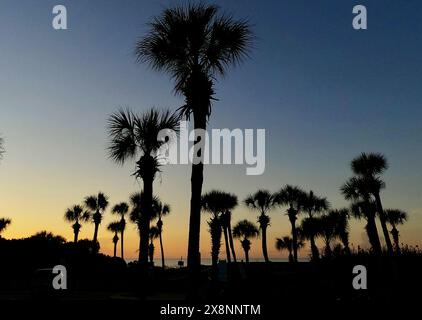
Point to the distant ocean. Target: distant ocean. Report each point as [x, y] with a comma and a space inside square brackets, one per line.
[207, 261]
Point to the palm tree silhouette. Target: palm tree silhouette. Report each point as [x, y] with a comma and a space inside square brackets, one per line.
[121, 209]
[286, 243]
[161, 210]
[356, 190]
[395, 217]
[328, 224]
[244, 230]
[262, 201]
[76, 214]
[4, 223]
[135, 216]
[293, 197]
[310, 229]
[154, 233]
[194, 44]
[219, 204]
[341, 217]
[313, 205]
[134, 135]
[370, 166]
[115, 227]
[96, 205]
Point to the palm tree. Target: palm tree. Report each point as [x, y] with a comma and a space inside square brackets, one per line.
[154, 233]
[96, 205]
[313, 205]
[310, 229]
[194, 44]
[219, 204]
[370, 166]
[4, 222]
[121, 209]
[261, 201]
[328, 225]
[286, 243]
[341, 217]
[133, 136]
[394, 218]
[76, 214]
[293, 197]
[161, 210]
[356, 190]
[244, 230]
[135, 216]
[115, 227]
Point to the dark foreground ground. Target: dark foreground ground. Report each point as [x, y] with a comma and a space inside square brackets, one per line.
[107, 286]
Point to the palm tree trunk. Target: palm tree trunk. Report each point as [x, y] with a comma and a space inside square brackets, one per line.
[314, 248]
[383, 221]
[145, 220]
[115, 249]
[75, 239]
[121, 243]
[247, 255]
[197, 177]
[371, 229]
[264, 243]
[231, 241]
[395, 234]
[162, 249]
[94, 239]
[226, 241]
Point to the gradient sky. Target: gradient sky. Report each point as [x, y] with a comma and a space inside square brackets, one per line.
[323, 91]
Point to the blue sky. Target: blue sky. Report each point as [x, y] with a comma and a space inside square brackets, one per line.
[323, 91]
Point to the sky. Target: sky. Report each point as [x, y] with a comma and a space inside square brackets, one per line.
[323, 92]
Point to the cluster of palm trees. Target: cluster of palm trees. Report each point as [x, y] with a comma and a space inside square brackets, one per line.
[94, 207]
[320, 222]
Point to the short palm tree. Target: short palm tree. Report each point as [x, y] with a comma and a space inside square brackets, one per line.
[194, 44]
[135, 136]
[370, 166]
[244, 230]
[121, 209]
[115, 227]
[341, 217]
[396, 217]
[4, 223]
[286, 243]
[96, 206]
[76, 214]
[261, 201]
[154, 233]
[161, 210]
[327, 224]
[293, 197]
[219, 204]
[310, 229]
[313, 205]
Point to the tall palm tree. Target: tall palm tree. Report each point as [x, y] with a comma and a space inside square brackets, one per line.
[154, 233]
[4, 222]
[313, 205]
[121, 209]
[194, 44]
[293, 197]
[96, 205]
[244, 230]
[261, 201]
[161, 210]
[76, 214]
[219, 204]
[370, 166]
[356, 190]
[396, 217]
[341, 217]
[286, 243]
[115, 227]
[135, 136]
